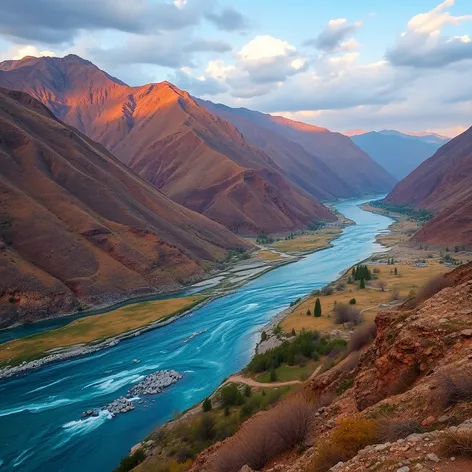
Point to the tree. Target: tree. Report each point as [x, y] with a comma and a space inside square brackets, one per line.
[362, 284]
[294, 333]
[382, 284]
[247, 391]
[273, 375]
[318, 308]
[206, 406]
[395, 271]
[308, 313]
[353, 273]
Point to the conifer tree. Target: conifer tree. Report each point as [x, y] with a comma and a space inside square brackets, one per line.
[317, 308]
[362, 284]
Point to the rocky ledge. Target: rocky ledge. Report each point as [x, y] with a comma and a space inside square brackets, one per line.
[152, 384]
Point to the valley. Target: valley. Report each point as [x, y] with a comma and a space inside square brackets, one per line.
[208, 345]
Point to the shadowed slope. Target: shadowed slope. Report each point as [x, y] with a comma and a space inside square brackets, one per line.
[347, 171]
[443, 185]
[78, 227]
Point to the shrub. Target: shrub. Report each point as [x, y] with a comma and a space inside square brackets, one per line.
[130, 462]
[206, 406]
[328, 290]
[308, 313]
[389, 430]
[293, 333]
[247, 391]
[456, 388]
[344, 442]
[344, 313]
[12, 299]
[432, 287]
[395, 294]
[341, 286]
[458, 443]
[231, 396]
[284, 427]
[292, 420]
[263, 336]
[273, 375]
[204, 428]
[362, 336]
[352, 301]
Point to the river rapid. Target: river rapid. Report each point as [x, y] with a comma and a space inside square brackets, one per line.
[41, 428]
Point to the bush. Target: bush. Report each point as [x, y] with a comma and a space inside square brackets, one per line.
[263, 336]
[341, 286]
[432, 287]
[308, 313]
[204, 428]
[352, 301]
[273, 375]
[344, 313]
[12, 299]
[456, 388]
[231, 396]
[362, 336]
[258, 441]
[389, 430]
[206, 406]
[328, 290]
[458, 443]
[247, 391]
[130, 462]
[344, 442]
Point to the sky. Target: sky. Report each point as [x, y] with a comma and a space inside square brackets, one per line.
[342, 64]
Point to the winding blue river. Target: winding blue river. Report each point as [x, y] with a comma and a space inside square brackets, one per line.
[40, 414]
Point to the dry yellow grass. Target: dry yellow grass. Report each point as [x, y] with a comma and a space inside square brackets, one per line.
[268, 256]
[308, 242]
[94, 328]
[400, 231]
[408, 278]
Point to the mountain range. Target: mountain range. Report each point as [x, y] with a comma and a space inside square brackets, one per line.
[77, 227]
[200, 159]
[443, 185]
[397, 152]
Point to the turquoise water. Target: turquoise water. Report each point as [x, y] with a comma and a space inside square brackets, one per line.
[40, 424]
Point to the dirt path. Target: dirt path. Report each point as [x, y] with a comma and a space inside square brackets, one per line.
[255, 383]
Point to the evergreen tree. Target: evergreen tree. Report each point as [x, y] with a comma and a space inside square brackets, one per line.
[353, 273]
[207, 404]
[362, 284]
[294, 333]
[273, 375]
[396, 271]
[317, 308]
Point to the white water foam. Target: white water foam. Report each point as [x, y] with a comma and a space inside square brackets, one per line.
[37, 407]
[22, 457]
[48, 385]
[81, 427]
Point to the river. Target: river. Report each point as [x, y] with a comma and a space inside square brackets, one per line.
[40, 413]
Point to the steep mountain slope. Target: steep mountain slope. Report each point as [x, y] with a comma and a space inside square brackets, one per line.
[355, 173]
[399, 153]
[194, 157]
[306, 169]
[392, 405]
[78, 227]
[443, 185]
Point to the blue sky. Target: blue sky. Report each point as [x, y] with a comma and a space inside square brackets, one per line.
[341, 64]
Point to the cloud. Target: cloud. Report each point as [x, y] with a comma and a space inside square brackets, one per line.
[58, 21]
[214, 45]
[333, 36]
[228, 19]
[200, 86]
[262, 62]
[423, 45]
[18, 51]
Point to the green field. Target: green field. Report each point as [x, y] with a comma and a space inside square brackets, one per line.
[286, 373]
